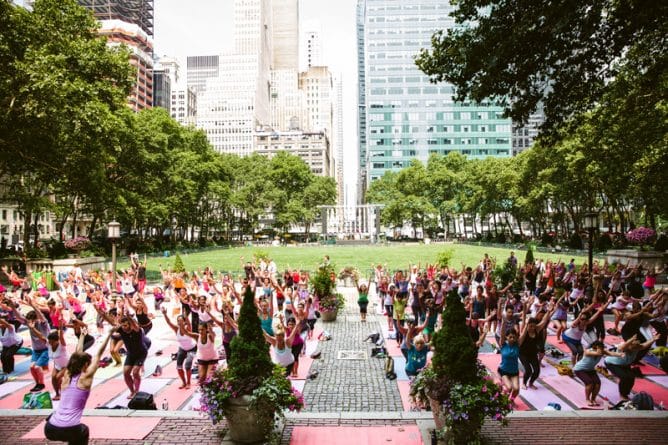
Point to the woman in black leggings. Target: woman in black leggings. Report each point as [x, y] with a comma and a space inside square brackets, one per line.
[531, 343]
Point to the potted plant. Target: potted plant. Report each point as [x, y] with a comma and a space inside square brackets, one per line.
[323, 286]
[76, 245]
[642, 237]
[456, 386]
[349, 275]
[251, 391]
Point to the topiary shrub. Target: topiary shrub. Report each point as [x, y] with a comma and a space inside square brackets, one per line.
[249, 352]
[528, 259]
[444, 257]
[455, 355]
[178, 264]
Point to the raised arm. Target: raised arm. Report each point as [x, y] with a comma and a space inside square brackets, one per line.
[90, 371]
[170, 323]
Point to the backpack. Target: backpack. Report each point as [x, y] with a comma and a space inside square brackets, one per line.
[643, 401]
[142, 400]
[389, 368]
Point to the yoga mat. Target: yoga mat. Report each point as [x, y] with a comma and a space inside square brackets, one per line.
[103, 428]
[15, 385]
[569, 388]
[491, 361]
[151, 386]
[153, 361]
[304, 367]
[648, 370]
[539, 398]
[193, 403]
[400, 368]
[660, 379]
[105, 392]
[15, 399]
[176, 397]
[374, 435]
[298, 385]
[404, 389]
[110, 371]
[393, 349]
[552, 341]
[22, 368]
[658, 392]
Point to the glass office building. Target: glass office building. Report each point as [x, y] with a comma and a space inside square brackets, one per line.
[402, 115]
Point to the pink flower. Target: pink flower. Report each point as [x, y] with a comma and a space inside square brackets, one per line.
[484, 388]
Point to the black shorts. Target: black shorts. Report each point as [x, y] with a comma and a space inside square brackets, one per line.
[363, 306]
[509, 374]
[389, 309]
[588, 377]
[135, 359]
[207, 362]
[311, 323]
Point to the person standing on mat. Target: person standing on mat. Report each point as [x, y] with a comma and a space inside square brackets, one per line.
[531, 342]
[136, 346]
[39, 330]
[64, 424]
[585, 370]
[509, 367]
[11, 342]
[187, 347]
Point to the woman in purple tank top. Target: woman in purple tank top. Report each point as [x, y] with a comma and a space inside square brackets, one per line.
[64, 424]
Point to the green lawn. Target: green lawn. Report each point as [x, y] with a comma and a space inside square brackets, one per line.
[362, 257]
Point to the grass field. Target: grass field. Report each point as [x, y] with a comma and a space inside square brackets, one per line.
[361, 257]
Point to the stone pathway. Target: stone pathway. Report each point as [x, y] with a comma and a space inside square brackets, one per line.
[350, 385]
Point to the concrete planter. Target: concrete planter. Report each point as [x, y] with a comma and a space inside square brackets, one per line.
[650, 259]
[247, 425]
[329, 315]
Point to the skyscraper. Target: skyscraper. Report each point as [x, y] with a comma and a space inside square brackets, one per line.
[337, 136]
[130, 22]
[311, 45]
[199, 69]
[285, 34]
[402, 115]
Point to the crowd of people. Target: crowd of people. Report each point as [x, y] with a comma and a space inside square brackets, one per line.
[519, 314]
[203, 310]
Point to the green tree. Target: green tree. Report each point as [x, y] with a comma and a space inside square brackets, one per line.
[584, 45]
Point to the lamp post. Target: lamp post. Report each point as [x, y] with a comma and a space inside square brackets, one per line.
[591, 224]
[113, 233]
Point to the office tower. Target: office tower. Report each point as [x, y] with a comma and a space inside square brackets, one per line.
[130, 22]
[285, 34]
[318, 87]
[525, 135]
[288, 103]
[404, 116]
[337, 136]
[311, 45]
[235, 103]
[312, 147]
[183, 107]
[361, 95]
[162, 88]
[199, 69]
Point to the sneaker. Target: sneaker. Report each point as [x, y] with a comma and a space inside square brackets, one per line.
[37, 388]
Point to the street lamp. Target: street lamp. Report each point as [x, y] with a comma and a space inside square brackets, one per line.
[113, 233]
[591, 224]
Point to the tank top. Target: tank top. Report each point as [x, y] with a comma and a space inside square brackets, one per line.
[587, 363]
[59, 356]
[529, 346]
[283, 356]
[206, 351]
[298, 340]
[186, 342]
[143, 319]
[266, 324]
[71, 406]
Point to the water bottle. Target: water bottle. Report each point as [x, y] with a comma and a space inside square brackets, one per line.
[555, 406]
[165, 405]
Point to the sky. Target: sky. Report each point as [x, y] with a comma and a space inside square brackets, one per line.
[204, 27]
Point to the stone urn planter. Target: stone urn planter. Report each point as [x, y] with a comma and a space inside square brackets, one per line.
[439, 421]
[329, 315]
[247, 425]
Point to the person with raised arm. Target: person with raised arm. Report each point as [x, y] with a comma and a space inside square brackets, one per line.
[64, 424]
[39, 330]
[282, 346]
[620, 366]
[573, 335]
[585, 370]
[187, 347]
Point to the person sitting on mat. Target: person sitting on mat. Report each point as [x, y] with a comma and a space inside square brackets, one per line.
[64, 424]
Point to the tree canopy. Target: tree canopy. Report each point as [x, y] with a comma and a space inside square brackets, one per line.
[567, 54]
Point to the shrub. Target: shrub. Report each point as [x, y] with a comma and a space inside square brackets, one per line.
[528, 259]
[455, 355]
[603, 242]
[444, 257]
[259, 255]
[661, 244]
[178, 264]
[641, 236]
[77, 244]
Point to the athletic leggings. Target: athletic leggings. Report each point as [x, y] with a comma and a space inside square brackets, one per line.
[626, 378]
[531, 368]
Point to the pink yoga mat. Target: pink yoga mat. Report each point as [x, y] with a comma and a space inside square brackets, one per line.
[569, 388]
[108, 428]
[404, 390]
[176, 397]
[104, 392]
[539, 398]
[658, 392]
[374, 435]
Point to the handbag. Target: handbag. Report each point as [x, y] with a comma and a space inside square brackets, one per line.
[37, 400]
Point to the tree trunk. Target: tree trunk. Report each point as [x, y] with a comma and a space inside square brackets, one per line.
[27, 217]
[91, 230]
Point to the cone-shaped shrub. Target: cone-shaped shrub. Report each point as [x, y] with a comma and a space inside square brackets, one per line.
[455, 355]
[178, 264]
[528, 259]
[249, 357]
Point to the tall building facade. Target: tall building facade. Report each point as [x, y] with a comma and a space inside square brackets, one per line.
[162, 89]
[337, 136]
[361, 95]
[199, 69]
[285, 34]
[403, 116]
[130, 22]
[311, 45]
[236, 102]
[525, 135]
